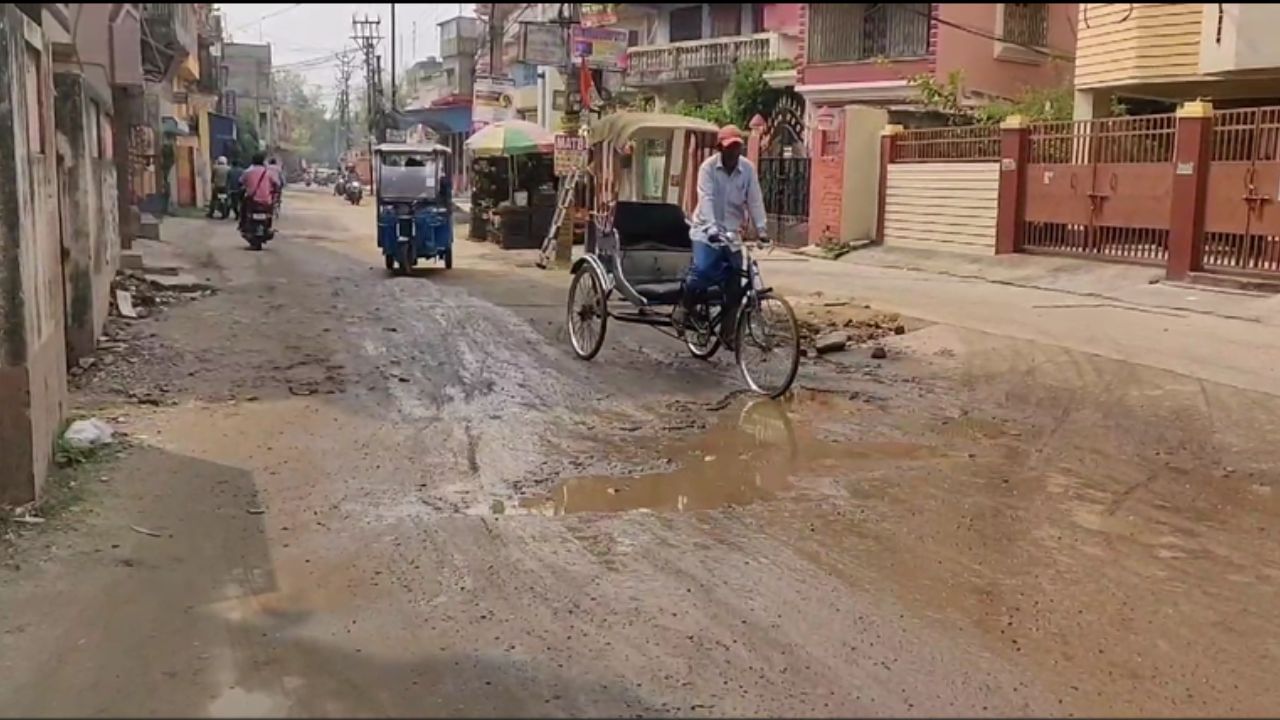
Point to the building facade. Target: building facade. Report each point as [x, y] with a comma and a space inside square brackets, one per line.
[247, 90]
[876, 57]
[1173, 52]
[687, 52]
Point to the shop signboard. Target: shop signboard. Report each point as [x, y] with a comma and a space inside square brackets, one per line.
[604, 48]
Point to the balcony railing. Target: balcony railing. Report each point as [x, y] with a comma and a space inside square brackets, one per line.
[856, 32]
[170, 25]
[698, 60]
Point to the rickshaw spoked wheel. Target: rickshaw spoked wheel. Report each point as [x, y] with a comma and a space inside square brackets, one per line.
[588, 313]
[703, 342]
[768, 345]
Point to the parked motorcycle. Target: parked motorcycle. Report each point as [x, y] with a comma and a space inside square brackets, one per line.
[220, 204]
[257, 229]
[355, 193]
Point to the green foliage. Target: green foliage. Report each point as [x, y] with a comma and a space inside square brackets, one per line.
[944, 97]
[247, 138]
[1038, 104]
[748, 95]
[305, 124]
[1042, 104]
[711, 112]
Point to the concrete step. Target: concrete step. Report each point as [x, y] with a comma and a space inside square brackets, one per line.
[1256, 284]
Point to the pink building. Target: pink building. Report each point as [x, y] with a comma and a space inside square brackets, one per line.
[867, 54]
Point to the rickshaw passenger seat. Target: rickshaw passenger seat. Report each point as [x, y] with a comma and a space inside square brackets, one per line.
[651, 226]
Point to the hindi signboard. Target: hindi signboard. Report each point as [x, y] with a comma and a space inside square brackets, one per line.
[599, 14]
[570, 154]
[492, 101]
[604, 48]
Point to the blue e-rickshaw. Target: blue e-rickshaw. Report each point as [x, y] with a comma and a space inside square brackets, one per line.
[415, 204]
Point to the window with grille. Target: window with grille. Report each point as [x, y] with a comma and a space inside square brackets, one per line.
[1026, 24]
[854, 32]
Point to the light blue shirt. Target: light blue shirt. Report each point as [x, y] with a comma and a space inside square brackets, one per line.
[726, 199]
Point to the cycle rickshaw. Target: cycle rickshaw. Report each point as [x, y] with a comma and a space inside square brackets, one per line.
[642, 176]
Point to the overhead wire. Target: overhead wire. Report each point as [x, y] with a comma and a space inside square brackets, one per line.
[268, 16]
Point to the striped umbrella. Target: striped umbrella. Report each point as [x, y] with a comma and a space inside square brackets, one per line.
[511, 137]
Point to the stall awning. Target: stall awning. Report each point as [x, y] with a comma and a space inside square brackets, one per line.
[443, 120]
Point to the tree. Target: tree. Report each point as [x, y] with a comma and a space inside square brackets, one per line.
[248, 141]
[748, 95]
[305, 125]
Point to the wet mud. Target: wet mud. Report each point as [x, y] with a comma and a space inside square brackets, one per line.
[404, 497]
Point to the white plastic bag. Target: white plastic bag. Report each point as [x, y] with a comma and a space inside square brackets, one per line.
[84, 434]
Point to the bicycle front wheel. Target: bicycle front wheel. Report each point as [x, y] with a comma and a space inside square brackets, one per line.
[768, 345]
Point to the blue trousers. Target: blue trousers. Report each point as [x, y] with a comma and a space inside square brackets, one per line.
[714, 264]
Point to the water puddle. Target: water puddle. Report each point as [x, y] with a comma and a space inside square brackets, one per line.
[749, 456]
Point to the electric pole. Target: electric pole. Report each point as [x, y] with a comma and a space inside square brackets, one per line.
[572, 121]
[394, 107]
[346, 68]
[367, 33]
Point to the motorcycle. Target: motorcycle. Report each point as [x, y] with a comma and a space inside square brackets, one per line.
[257, 227]
[220, 204]
[355, 193]
[340, 188]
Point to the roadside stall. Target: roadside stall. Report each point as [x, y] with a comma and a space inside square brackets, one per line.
[513, 194]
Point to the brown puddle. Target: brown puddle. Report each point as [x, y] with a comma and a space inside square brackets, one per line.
[749, 456]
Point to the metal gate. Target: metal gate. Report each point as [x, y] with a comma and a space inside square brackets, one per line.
[784, 173]
[1101, 188]
[1242, 218]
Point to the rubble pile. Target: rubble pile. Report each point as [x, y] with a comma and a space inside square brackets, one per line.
[833, 327]
[149, 294]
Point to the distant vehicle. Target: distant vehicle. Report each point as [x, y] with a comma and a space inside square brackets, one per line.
[257, 229]
[415, 216]
[220, 204]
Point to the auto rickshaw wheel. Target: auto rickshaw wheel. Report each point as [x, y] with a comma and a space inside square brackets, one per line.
[448, 259]
[405, 251]
[390, 261]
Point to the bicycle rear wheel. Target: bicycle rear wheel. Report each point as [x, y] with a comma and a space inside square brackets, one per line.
[768, 345]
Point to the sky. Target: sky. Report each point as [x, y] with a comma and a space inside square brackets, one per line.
[310, 33]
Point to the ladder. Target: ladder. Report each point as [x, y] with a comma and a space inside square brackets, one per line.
[563, 201]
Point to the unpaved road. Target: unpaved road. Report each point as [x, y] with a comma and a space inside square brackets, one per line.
[403, 496]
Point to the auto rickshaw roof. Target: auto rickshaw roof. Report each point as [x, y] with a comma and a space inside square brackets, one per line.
[410, 149]
[624, 126]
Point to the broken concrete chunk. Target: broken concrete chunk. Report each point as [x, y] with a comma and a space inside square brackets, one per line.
[124, 303]
[879, 353]
[831, 342]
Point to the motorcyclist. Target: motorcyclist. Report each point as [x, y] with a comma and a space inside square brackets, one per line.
[235, 188]
[261, 186]
[275, 169]
[728, 195]
[218, 178]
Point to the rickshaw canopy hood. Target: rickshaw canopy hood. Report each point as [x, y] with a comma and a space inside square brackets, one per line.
[622, 127]
[410, 149]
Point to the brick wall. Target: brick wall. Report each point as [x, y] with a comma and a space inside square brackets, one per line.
[826, 185]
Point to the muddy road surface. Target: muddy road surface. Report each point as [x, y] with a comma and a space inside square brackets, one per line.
[347, 494]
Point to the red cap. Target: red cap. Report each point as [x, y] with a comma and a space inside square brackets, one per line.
[728, 135]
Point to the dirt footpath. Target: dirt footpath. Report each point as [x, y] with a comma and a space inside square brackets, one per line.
[367, 495]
